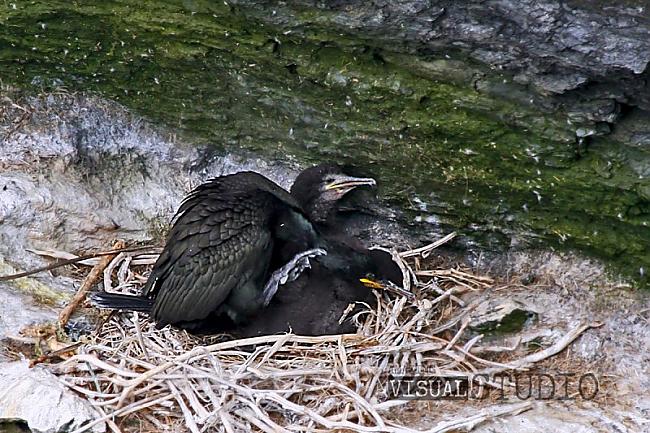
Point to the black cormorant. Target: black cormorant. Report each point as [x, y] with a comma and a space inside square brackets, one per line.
[234, 239]
[314, 304]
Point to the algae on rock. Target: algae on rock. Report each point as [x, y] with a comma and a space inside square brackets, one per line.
[490, 152]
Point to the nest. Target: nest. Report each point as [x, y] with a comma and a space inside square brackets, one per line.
[170, 379]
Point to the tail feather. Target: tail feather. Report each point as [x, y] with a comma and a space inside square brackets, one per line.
[118, 301]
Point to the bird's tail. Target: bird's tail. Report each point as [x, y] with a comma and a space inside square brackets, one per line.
[118, 301]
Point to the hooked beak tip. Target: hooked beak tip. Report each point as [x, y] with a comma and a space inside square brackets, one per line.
[349, 183]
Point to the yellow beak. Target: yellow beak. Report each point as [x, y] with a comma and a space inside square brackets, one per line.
[371, 284]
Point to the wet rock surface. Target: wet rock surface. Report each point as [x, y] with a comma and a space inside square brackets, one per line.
[509, 121]
[578, 56]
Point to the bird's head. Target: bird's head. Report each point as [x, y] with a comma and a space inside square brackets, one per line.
[319, 188]
[383, 271]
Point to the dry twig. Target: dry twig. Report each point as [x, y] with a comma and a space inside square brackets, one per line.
[88, 282]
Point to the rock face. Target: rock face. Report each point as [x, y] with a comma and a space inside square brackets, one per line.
[585, 59]
[500, 118]
[36, 398]
[575, 72]
[555, 46]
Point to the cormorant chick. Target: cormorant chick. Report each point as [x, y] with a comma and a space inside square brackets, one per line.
[319, 190]
[234, 239]
[314, 304]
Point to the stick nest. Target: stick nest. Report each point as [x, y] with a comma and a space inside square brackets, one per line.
[169, 379]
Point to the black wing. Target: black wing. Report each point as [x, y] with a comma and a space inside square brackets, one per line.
[221, 241]
[243, 182]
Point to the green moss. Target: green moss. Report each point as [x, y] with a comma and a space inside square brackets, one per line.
[41, 293]
[480, 162]
[513, 322]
